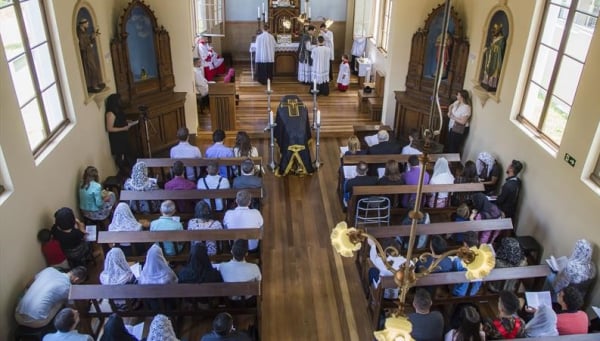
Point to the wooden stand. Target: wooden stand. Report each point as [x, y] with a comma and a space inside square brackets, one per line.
[222, 106]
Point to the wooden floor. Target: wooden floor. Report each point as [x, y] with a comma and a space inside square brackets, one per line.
[309, 292]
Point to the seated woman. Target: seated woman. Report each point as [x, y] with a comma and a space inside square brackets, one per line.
[114, 329]
[467, 175]
[140, 181]
[123, 220]
[483, 209]
[579, 271]
[116, 271]
[203, 221]
[489, 172]
[391, 177]
[199, 268]
[469, 327]
[570, 319]
[441, 176]
[508, 255]
[354, 147]
[94, 202]
[161, 329]
[542, 324]
[156, 270]
[70, 233]
[244, 148]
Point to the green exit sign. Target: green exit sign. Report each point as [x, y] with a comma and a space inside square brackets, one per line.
[570, 159]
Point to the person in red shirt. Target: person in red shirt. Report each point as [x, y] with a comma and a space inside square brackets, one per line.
[51, 250]
[570, 320]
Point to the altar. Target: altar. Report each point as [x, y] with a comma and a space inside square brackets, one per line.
[286, 59]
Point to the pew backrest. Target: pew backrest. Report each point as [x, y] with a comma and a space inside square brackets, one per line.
[163, 166]
[178, 236]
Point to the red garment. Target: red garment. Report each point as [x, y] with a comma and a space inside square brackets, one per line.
[210, 74]
[572, 323]
[342, 87]
[53, 253]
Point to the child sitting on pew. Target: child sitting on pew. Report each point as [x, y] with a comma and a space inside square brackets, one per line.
[51, 250]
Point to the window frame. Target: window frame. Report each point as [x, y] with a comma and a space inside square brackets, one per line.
[384, 23]
[561, 54]
[214, 11]
[50, 134]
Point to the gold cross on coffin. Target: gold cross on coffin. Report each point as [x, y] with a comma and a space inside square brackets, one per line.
[293, 107]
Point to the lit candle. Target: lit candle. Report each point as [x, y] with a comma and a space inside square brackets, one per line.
[268, 84]
[315, 84]
[263, 7]
[258, 12]
[309, 16]
[266, 17]
[270, 117]
[318, 116]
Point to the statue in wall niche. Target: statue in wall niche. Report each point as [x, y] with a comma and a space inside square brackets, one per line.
[89, 56]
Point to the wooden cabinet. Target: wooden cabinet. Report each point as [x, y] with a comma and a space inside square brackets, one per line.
[141, 56]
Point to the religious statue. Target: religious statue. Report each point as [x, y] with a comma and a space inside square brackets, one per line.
[492, 59]
[443, 51]
[89, 56]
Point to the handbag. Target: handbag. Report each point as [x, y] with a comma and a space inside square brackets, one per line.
[458, 128]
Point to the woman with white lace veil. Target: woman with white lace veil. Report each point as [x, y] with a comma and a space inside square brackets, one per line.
[140, 181]
[579, 271]
[161, 329]
[116, 270]
[123, 220]
[488, 171]
[156, 270]
[441, 176]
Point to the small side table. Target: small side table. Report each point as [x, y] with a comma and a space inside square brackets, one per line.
[364, 66]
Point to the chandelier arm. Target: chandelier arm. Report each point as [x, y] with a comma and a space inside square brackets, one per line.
[381, 251]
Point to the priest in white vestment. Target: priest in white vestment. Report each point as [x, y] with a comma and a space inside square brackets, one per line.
[320, 68]
[328, 35]
[265, 55]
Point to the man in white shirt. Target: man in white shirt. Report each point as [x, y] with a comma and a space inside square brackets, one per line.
[237, 269]
[184, 150]
[46, 295]
[200, 84]
[265, 55]
[328, 36]
[321, 65]
[244, 217]
[409, 149]
[213, 181]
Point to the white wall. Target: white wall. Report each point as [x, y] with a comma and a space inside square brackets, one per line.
[41, 189]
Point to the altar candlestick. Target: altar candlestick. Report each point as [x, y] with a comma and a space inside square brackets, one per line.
[270, 117]
[263, 4]
[318, 116]
[315, 84]
[266, 17]
[258, 12]
[268, 84]
[309, 16]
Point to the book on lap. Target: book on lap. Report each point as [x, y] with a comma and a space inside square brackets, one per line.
[536, 299]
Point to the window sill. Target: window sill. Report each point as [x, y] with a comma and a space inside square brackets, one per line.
[536, 137]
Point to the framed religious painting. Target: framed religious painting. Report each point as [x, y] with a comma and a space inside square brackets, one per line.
[494, 53]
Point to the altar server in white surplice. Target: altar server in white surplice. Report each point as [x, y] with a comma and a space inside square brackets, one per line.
[320, 68]
[265, 55]
[328, 35]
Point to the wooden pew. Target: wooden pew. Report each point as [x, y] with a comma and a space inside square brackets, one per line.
[365, 191]
[363, 261]
[228, 196]
[377, 92]
[164, 165]
[183, 296]
[109, 237]
[448, 278]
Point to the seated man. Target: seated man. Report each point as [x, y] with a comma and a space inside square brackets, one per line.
[212, 180]
[46, 295]
[384, 147]
[244, 217]
[247, 179]
[571, 320]
[427, 325]
[437, 246]
[411, 177]
[179, 182]
[361, 179]
[237, 269]
[223, 330]
[219, 150]
[66, 322]
[166, 222]
[184, 150]
[508, 325]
